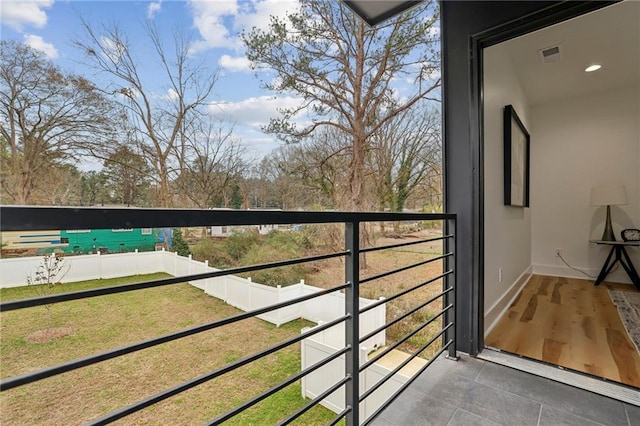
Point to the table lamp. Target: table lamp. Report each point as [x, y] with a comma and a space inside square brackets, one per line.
[608, 196]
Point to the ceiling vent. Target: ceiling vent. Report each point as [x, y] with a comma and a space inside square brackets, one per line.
[550, 55]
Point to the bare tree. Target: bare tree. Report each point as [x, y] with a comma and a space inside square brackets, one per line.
[321, 162]
[273, 184]
[344, 71]
[404, 152]
[58, 185]
[48, 275]
[127, 176]
[45, 116]
[214, 160]
[160, 119]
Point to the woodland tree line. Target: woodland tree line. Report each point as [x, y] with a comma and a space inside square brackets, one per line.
[364, 147]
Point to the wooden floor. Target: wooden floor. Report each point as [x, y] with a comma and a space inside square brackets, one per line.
[571, 323]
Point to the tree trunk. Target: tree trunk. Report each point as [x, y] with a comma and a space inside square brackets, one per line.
[164, 187]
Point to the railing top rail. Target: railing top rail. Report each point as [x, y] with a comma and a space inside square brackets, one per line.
[20, 218]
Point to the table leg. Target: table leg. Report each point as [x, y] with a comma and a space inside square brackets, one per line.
[606, 268]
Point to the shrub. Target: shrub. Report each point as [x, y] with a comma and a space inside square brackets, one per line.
[266, 253]
[213, 251]
[179, 244]
[239, 243]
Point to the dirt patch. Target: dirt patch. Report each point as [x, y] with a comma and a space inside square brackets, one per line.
[49, 334]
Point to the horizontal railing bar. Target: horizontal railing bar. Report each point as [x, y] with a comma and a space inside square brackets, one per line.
[403, 292]
[405, 385]
[406, 337]
[387, 377]
[410, 243]
[315, 401]
[404, 268]
[340, 416]
[403, 316]
[102, 291]
[118, 414]
[94, 359]
[253, 401]
[35, 218]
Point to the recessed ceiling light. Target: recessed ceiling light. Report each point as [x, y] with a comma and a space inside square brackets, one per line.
[592, 68]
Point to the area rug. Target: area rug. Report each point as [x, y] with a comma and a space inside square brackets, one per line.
[628, 304]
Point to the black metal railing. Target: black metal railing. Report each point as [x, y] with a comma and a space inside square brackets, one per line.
[47, 218]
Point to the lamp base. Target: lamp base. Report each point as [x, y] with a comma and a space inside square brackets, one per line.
[608, 234]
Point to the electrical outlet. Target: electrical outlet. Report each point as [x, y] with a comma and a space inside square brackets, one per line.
[558, 252]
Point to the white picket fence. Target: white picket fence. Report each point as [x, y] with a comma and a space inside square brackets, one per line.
[14, 271]
[320, 346]
[239, 292]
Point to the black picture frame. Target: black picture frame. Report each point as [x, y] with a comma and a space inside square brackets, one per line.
[517, 146]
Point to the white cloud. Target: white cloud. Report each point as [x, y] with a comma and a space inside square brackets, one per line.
[239, 63]
[38, 43]
[153, 8]
[17, 14]
[220, 22]
[171, 94]
[254, 112]
[257, 144]
[111, 50]
[257, 13]
[208, 18]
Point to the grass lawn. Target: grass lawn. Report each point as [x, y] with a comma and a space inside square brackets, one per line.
[108, 322]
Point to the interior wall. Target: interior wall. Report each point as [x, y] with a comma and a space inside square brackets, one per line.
[507, 241]
[592, 140]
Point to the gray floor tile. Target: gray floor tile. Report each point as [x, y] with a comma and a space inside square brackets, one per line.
[553, 417]
[465, 367]
[381, 421]
[575, 401]
[465, 418]
[415, 408]
[633, 413]
[487, 402]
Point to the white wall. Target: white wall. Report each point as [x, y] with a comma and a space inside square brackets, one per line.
[593, 140]
[507, 235]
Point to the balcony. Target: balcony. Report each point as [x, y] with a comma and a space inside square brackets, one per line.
[356, 344]
[437, 391]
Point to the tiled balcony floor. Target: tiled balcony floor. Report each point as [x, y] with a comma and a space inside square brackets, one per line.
[476, 392]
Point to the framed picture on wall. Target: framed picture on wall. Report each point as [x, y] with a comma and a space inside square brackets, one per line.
[516, 160]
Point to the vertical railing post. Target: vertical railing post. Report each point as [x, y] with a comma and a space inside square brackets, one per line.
[352, 324]
[450, 283]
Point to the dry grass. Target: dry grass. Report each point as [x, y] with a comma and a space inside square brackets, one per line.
[112, 321]
[331, 272]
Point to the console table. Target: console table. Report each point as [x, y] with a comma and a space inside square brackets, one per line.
[617, 254]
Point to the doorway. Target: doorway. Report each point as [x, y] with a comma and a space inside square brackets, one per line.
[584, 133]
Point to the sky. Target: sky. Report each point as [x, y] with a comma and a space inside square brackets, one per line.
[215, 25]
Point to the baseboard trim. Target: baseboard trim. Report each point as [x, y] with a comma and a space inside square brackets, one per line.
[566, 272]
[497, 310]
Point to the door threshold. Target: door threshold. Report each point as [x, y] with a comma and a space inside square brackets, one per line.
[614, 390]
